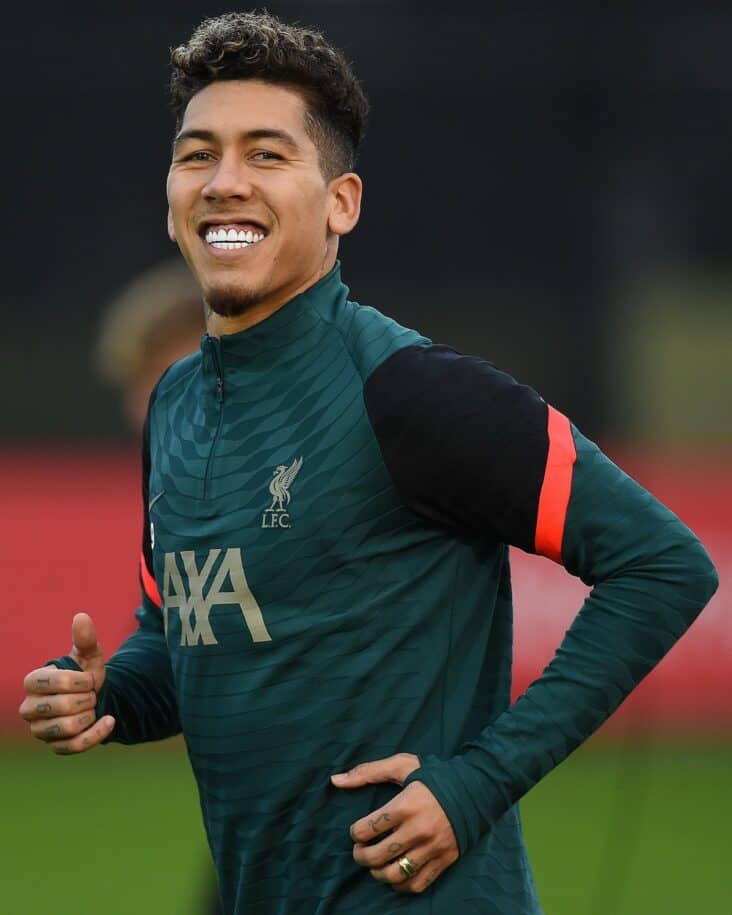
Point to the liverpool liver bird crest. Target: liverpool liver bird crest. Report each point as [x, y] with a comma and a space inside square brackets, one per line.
[280, 485]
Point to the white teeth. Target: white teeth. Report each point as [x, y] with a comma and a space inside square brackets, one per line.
[232, 238]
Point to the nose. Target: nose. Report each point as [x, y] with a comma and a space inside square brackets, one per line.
[229, 179]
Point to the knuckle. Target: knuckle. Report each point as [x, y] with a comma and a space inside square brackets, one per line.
[422, 834]
[30, 683]
[78, 703]
[51, 729]
[442, 845]
[64, 705]
[69, 727]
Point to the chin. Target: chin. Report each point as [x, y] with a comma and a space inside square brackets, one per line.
[230, 301]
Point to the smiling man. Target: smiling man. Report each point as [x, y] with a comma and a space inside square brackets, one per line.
[328, 502]
[259, 195]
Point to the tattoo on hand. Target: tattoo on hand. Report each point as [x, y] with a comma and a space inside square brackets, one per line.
[44, 681]
[386, 817]
[395, 847]
[53, 731]
[80, 701]
[43, 707]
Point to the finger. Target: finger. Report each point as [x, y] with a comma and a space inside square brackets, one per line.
[418, 857]
[391, 769]
[382, 853]
[49, 680]
[375, 824]
[84, 637]
[68, 726]
[424, 879]
[86, 740]
[39, 707]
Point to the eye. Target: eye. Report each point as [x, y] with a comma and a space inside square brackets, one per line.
[200, 155]
[266, 155]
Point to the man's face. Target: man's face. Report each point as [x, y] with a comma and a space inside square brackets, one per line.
[245, 168]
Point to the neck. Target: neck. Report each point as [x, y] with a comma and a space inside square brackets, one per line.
[218, 325]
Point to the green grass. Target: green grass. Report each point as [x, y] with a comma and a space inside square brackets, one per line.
[611, 832]
[638, 831]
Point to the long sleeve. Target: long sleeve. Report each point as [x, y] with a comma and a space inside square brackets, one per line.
[138, 688]
[444, 421]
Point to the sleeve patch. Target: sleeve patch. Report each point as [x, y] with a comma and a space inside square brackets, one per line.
[556, 487]
[148, 583]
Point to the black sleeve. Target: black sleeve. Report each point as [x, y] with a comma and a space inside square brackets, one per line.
[465, 444]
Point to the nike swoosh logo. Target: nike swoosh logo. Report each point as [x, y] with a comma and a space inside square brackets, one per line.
[154, 500]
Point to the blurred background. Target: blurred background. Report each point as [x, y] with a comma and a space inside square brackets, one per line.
[545, 187]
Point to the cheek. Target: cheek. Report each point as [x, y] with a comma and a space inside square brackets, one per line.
[180, 199]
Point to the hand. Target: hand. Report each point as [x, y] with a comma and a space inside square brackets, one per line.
[59, 704]
[413, 825]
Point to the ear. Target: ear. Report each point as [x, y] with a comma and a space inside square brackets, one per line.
[171, 227]
[345, 203]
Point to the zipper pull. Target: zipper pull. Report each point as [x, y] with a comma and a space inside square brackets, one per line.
[219, 389]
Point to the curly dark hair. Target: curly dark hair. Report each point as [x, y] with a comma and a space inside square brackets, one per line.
[258, 45]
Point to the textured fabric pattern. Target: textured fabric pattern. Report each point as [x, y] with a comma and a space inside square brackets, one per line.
[329, 499]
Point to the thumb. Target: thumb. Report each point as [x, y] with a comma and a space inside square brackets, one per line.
[86, 650]
[391, 769]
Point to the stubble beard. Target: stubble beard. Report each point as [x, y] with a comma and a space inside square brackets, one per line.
[230, 301]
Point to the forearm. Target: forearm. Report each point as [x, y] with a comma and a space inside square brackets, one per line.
[138, 689]
[624, 628]
[651, 579]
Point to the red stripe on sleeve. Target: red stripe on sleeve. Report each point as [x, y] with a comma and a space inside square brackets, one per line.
[556, 488]
[148, 583]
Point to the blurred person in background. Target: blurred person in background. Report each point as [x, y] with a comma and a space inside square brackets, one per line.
[328, 501]
[154, 321]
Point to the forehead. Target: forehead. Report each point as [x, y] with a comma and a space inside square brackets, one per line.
[240, 105]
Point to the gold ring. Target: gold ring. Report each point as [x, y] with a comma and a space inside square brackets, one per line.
[408, 869]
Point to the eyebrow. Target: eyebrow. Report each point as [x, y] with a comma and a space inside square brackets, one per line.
[260, 133]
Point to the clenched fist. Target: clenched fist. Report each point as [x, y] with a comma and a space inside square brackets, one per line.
[60, 704]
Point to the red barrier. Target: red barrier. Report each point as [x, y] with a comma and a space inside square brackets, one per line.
[70, 541]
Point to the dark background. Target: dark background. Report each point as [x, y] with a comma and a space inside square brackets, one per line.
[548, 186]
[527, 168]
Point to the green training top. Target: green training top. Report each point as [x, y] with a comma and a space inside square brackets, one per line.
[328, 503]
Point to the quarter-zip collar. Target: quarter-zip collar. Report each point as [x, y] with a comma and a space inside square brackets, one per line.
[292, 323]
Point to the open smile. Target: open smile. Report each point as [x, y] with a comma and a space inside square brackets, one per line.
[231, 236]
